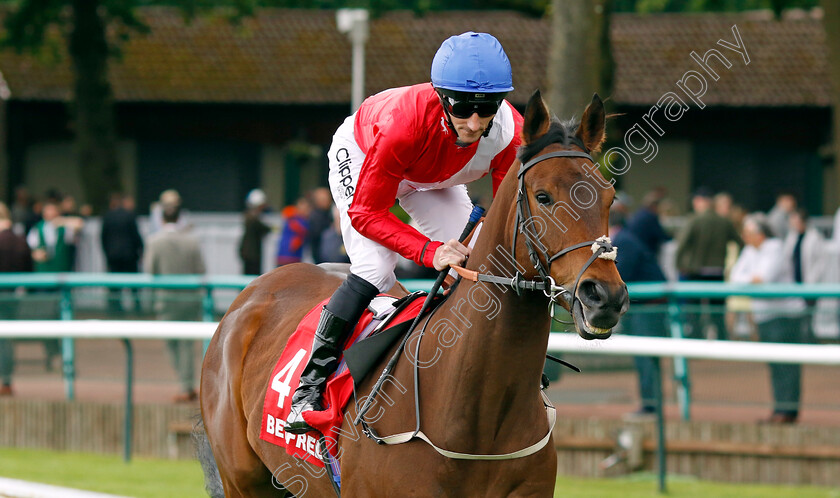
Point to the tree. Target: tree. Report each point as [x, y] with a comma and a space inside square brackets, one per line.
[84, 23]
[579, 60]
[831, 24]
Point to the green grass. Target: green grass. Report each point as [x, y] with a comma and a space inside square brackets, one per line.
[645, 485]
[182, 479]
[142, 478]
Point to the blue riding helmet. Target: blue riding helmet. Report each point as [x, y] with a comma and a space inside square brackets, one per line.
[472, 63]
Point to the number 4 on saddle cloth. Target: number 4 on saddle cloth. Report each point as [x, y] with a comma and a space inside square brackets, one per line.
[384, 321]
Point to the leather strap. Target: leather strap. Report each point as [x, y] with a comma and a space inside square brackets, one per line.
[516, 282]
[551, 414]
[560, 153]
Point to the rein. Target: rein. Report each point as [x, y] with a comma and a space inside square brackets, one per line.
[405, 437]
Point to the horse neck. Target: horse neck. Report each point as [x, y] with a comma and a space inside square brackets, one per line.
[494, 366]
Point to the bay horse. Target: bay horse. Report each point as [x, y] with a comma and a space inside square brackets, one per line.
[482, 357]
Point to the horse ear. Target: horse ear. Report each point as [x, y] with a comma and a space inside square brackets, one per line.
[591, 129]
[537, 118]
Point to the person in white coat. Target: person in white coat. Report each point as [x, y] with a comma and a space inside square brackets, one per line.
[806, 248]
[763, 260]
[815, 260]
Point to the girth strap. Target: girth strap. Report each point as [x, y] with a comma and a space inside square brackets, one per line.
[551, 414]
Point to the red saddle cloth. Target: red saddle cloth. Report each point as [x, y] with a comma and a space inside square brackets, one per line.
[286, 376]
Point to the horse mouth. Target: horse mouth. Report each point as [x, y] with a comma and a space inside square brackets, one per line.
[584, 328]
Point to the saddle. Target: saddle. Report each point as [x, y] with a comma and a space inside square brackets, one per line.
[384, 321]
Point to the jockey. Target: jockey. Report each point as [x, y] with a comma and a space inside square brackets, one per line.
[420, 144]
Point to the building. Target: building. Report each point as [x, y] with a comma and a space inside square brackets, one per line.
[215, 109]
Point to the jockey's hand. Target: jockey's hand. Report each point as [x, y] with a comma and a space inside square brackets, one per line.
[450, 253]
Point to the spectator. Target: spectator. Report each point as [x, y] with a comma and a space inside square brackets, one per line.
[174, 251]
[332, 244]
[68, 206]
[636, 263]
[129, 204]
[250, 247]
[778, 320]
[810, 254]
[122, 245]
[777, 218]
[320, 220]
[835, 233]
[15, 256]
[726, 208]
[293, 235]
[723, 204]
[806, 248]
[645, 223]
[50, 240]
[23, 215]
[701, 254]
[738, 318]
[169, 197]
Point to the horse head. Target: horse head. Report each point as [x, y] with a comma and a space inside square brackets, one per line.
[561, 217]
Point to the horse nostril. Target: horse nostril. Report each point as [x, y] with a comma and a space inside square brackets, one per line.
[592, 294]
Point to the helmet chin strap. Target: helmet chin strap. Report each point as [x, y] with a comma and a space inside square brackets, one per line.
[451, 126]
[489, 125]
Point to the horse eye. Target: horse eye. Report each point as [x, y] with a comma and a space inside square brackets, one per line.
[543, 198]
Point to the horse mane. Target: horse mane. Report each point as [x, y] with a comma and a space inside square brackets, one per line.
[559, 132]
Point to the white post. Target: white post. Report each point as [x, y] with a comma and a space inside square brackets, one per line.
[354, 23]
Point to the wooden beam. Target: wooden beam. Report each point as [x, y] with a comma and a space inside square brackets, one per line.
[823, 452]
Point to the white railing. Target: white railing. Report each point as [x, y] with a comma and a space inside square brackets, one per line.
[558, 342]
[106, 329]
[762, 352]
[821, 354]
[621, 345]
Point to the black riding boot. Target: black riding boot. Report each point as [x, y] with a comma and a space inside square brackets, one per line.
[338, 317]
[325, 351]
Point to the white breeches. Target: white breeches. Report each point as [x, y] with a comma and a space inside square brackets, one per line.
[439, 214]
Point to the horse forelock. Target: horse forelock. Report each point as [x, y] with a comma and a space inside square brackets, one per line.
[559, 132]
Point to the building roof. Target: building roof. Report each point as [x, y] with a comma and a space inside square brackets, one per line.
[286, 56]
[788, 60]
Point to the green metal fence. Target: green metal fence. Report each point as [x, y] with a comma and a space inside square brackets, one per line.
[671, 295]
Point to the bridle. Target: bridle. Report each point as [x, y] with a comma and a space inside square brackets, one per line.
[601, 247]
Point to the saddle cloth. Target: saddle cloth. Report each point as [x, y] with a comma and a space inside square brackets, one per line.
[286, 375]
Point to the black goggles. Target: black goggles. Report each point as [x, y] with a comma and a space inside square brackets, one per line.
[464, 110]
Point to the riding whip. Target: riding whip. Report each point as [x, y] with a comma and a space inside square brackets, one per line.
[475, 215]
